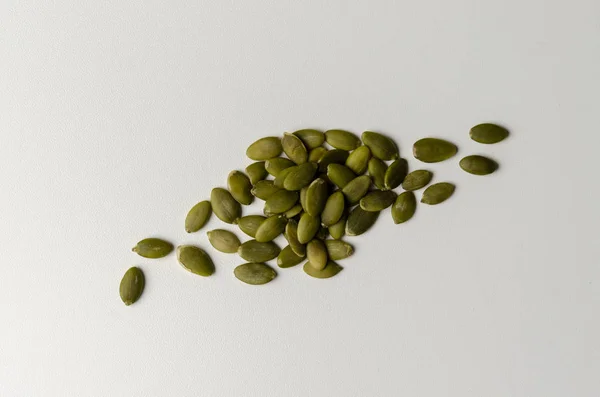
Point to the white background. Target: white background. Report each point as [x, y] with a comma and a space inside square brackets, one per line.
[117, 116]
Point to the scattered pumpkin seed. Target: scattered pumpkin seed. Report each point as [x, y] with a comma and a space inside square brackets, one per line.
[240, 187]
[478, 165]
[300, 176]
[195, 260]
[359, 221]
[338, 249]
[278, 182]
[358, 160]
[132, 286]
[249, 224]
[395, 174]
[417, 179]
[340, 175]
[275, 165]
[488, 133]
[330, 270]
[334, 209]
[316, 197]
[334, 156]
[433, 150]
[272, 227]
[198, 216]
[264, 189]
[224, 241]
[316, 253]
[381, 146]
[377, 169]
[281, 201]
[377, 200]
[338, 229]
[307, 228]
[291, 235]
[225, 207]
[311, 138]
[294, 148]
[153, 248]
[288, 258]
[292, 212]
[265, 148]
[343, 140]
[254, 251]
[316, 154]
[437, 193]
[404, 207]
[357, 188]
[256, 171]
[255, 273]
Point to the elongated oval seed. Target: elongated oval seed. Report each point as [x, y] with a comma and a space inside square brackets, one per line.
[338, 229]
[437, 193]
[249, 224]
[377, 169]
[404, 207]
[294, 148]
[198, 216]
[334, 209]
[292, 212]
[264, 189]
[330, 270]
[335, 156]
[316, 154]
[132, 286]
[307, 227]
[478, 165]
[417, 179]
[275, 165]
[255, 251]
[316, 253]
[395, 174]
[310, 138]
[300, 176]
[254, 273]
[288, 258]
[224, 241]
[358, 160]
[340, 175]
[225, 207]
[381, 146]
[357, 188]
[303, 197]
[281, 201]
[265, 148]
[291, 235]
[278, 182]
[272, 227]
[433, 150]
[316, 197]
[153, 248]
[343, 140]
[240, 187]
[195, 260]
[377, 200]
[256, 172]
[488, 133]
[338, 249]
[359, 221]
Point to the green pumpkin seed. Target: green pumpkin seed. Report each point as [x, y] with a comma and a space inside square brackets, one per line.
[132, 286]
[488, 133]
[335, 156]
[256, 172]
[254, 273]
[153, 248]
[292, 212]
[437, 193]
[340, 175]
[307, 228]
[294, 148]
[288, 258]
[281, 201]
[303, 197]
[338, 249]
[381, 146]
[198, 216]
[300, 176]
[358, 160]
[275, 165]
[338, 229]
[316, 197]
[342, 140]
[359, 221]
[195, 260]
[404, 207]
[316, 253]
[249, 224]
[264, 189]
[223, 240]
[478, 165]
[377, 200]
[265, 148]
[240, 187]
[334, 209]
[255, 251]
[433, 150]
[395, 174]
[357, 188]
[417, 179]
[316, 154]
[272, 227]
[291, 235]
[282, 175]
[310, 138]
[377, 170]
[330, 270]
[225, 207]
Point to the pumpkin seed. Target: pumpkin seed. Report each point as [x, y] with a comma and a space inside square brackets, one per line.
[255, 273]
[377, 200]
[300, 176]
[404, 207]
[338, 249]
[359, 221]
[255, 251]
[381, 146]
[478, 165]
[195, 260]
[316, 154]
[225, 207]
[277, 164]
[240, 187]
[395, 174]
[310, 138]
[433, 150]
[132, 286]
[223, 240]
[338, 229]
[342, 140]
[357, 188]
[264, 189]
[340, 175]
[377, 169]
[198, 216]
[335, 156]
[334, 209]
[358, 160]
[291, 235]
[272, 227]
[316, 197]
[278, 182]
[417, 179]
[330, 270]
[488, 133]
[316, 253]
[153, 248]
[281, 201]
[249, 224]
[437, 193]
[288, 258]
[256, 172]
[303, 197]
[307, 228]
[294, 148]
[292, 212]
[265, 148]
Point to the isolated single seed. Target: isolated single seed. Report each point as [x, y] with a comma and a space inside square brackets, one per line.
[378, 200]
[478, 165]
[294, 148]
[334, 156]
[404, 207]
[340, 175]
[198, 216]
[316, 253]
[416, 180]
[334, 209]
[307, 227]
[316, 197]
[153, 248]
[265, 148]
[433, 150]
[330, 270]
[264, 189]
[249, 224]
[225, 207]
[300, 176]
[281, 201]
[272, 227]
[275, 165]
[338, 249]
[357, 188]
[437, 193]
[278, 182]
[292, 212]
[377, 169]
[381, 146]
[316, 154]
[256, 172]
[195, 260]
[254, 251]
[132, 286]
[223, 240]
[358, 160]
[255, 273]
[291, 235]
[310, 138]
[395, 174]
[342, 140]
[488, 133]
[338, 229]
[359, 221]
[288, 258]
[240, 187]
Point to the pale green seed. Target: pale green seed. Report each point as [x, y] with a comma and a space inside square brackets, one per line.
[195, 260]
[240, 187]
[292, 212]
[404, 207]
[478, 165]
[381, 146]
[224, 241]
[291, 235]
[255, 251]
[225, 207]
[316, 197]
[310, 138]
[359, 221]
[488, 133]
[417, 179]
[255, 273]
[278, 182]
[300, 176]
[275, 165]
[265, 148]
[288, 258]
[153, 248]
[256, 172]
[249, 224]
[395, 174]
[330, 270]
[342, 140]
[338, 249]
[316, 154]
[294, 148]
[377, 200]
[132, 286]
[198, 216]
[340, 175]
[335, 156]
[272, 227]
[334, 209]
[358, 160]
[303, 197]
[357, 188]
[433, 150]
[316, 253]
[281, 201]
[437, 193]
[307, 228]
[338, 229]
[377, 169]
[264, 189]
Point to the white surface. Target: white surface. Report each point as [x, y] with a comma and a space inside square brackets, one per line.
[117, 116]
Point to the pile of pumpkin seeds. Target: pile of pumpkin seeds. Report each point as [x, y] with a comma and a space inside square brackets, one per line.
[314, 195]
